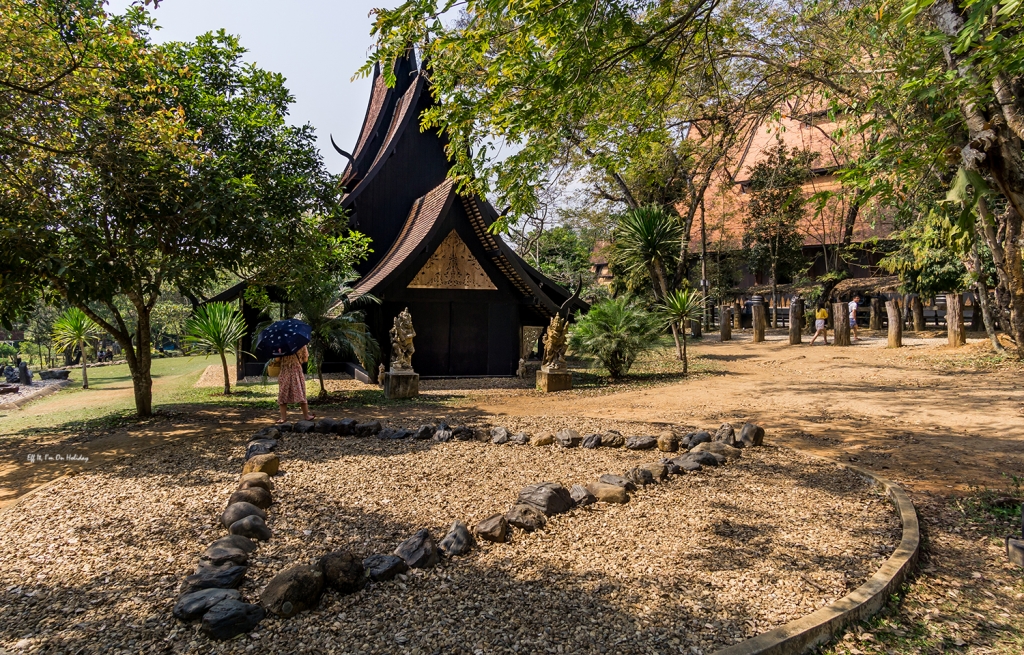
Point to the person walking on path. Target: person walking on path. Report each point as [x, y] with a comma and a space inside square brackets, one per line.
[853, 317]
[291, 384]
[820, 318]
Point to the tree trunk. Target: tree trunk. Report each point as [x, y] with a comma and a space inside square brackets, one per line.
[759, 322]
[686, 364]
[227, 377]
[725, 324]
[841, 319]
[695, 330]
[85, 369]
[917, 308]
[955, 320]
[892, 308]
[981, 290]
[675, 335]
[875, 322]
[775, 304]
[796, 312]
[977, 325]
[737, 316]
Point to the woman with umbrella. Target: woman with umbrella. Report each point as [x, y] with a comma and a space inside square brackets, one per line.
[286, 341]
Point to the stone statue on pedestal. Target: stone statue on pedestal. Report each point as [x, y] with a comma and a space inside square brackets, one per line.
[402, 335]
[555, 345]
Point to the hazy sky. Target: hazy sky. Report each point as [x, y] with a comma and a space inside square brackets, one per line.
[316, 44]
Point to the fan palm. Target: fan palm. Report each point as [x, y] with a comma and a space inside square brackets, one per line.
[615, 332]
[680, 307]
[75, 328]
[218, 328]
[329, 308]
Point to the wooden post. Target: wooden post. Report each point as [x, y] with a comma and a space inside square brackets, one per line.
[892, 308]
[955, 320]
[796, 314]
[725, 325]
[759, 321]
[875, 322]
[695, 329]
[841, 319]
[917, 310]
[737, 316]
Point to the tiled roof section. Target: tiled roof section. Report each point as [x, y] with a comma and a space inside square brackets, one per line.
[425, 213]
[490, 242]
[378, 100]
[398, 120]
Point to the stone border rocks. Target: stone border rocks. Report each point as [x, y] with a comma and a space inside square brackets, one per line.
[805, 634]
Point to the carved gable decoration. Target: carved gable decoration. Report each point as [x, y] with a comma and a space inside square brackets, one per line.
[452, 266]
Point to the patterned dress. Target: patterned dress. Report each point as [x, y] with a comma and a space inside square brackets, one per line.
[291, 381]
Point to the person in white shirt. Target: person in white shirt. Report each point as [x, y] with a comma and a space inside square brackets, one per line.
[853, 317]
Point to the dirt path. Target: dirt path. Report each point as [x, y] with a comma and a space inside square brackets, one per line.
[892, 412]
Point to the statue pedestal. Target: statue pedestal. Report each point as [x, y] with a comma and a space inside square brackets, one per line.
[548, 381]
[401, 384]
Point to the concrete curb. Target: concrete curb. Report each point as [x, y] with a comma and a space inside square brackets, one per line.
[807, 633]
[36, 395]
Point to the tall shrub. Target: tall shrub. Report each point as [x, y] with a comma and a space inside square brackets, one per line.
[614, 332]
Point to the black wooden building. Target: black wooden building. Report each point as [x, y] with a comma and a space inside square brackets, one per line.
[469, 293]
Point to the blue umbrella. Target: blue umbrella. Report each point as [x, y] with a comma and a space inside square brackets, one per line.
[282, 338]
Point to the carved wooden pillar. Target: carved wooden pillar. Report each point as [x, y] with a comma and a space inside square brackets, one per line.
[955, 320]
[841, 319]
[725, 325]
[892, 309]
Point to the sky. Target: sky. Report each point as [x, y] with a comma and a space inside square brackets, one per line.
[318, 45]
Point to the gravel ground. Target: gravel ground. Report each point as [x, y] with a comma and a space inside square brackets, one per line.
[27, 389]
[92, 563]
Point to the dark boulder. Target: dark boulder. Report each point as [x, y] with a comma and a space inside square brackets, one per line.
[368, 429]
[639, 476]
[591, 441]
[259, 447]
[346, 427]
[751, 436]
[257, 496]
[458, 541]
[230, 618]
[294, 590]
[696, 438]
[549, 497]
[443, 434]
[641, 443]
[705, 458]
[244, 544]
[218, 555]
[342, 571]
[581, 496]
[228, 576]
[424, 432]
[381, 568]
[686, 464]
[192, 606]
[568, 438]
[463, 433]
[237, 511]
[727, 434]
[618, 481]
[419, 551]
[671, 468]
[324, 426]
[519, 439]
[499, 436]
[252, 527]
[394, 434]
[526, 517]
[302, 427]
[493, 528]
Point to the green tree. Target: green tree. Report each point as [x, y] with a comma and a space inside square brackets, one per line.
[614, 332]
[328, 307]
[74, 329]
[217, 328]
[771, 237]
[168, 320]
[561, 253]
[680, 307]
[647, 239]
[183, 167]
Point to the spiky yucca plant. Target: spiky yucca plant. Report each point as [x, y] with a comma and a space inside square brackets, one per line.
[217, 328]
[75, 328]
[680, 307]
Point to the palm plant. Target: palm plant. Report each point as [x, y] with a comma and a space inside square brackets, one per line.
[649, 238]
[614, 332]
[329, 309]
[218, 328]
[75, 328]
[680, 307]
